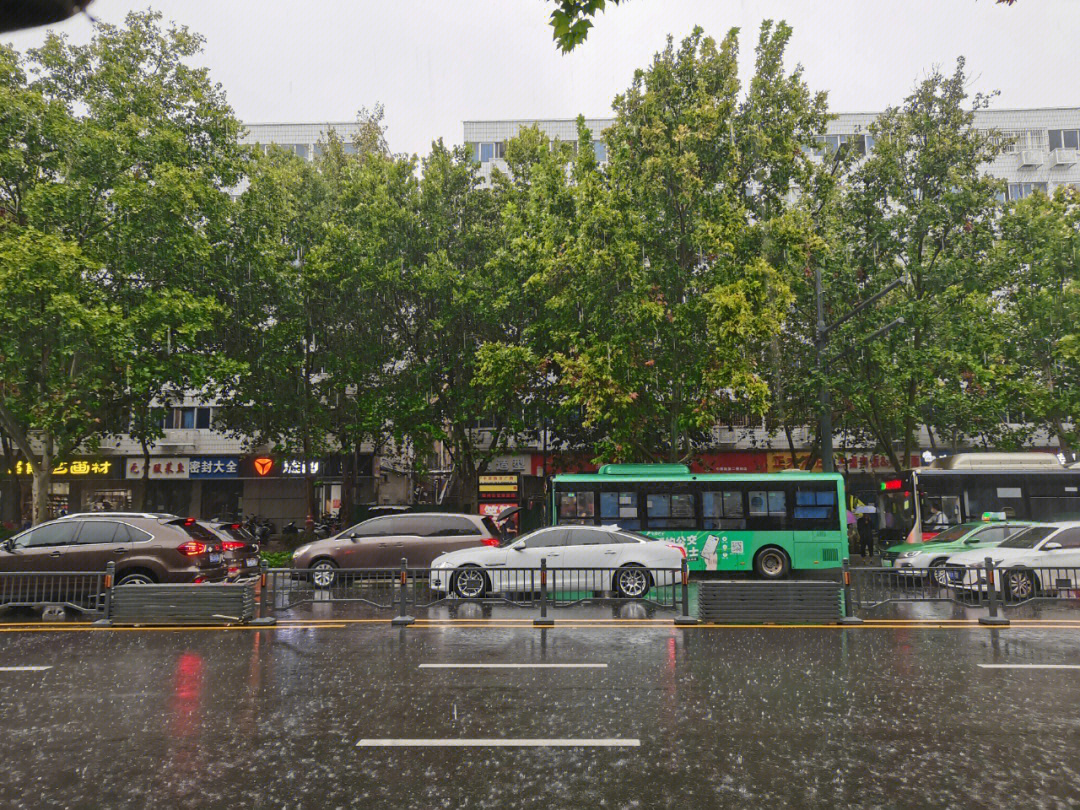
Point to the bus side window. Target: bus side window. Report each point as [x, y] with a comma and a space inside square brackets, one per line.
[619, 508]
[577, 507]
[815, 507]
[768, 509]
[670, 510]
[723, 510]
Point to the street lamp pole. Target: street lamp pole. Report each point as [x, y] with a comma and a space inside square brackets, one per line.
[825, 413]
[821, 340]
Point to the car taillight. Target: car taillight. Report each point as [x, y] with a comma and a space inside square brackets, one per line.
[189, 522]
[232, 545]
[235, 527]
[193, 548]
[490, 541]
[680, 548]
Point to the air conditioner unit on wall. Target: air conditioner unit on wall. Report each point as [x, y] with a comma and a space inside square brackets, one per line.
[1063, 157]
[1030, 157]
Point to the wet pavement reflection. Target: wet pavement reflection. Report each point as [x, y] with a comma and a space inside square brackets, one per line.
[865, 717]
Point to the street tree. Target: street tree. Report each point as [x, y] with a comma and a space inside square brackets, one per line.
[59, 338]
[917, 206]
[663, 283]
[146, 194]
[1036, 261]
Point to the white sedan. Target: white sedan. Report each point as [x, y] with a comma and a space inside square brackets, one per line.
[598, 558]
[1026, 559]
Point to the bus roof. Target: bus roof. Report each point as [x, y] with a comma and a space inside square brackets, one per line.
[680, 472]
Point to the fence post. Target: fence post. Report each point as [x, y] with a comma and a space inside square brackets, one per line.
[543, 621]
[110, 578]
[849, 616]
[991, 592]
[685, 618]
[403, 618]
[262, 620]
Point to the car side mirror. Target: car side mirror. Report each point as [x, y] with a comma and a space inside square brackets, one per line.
[518, 547]
[1051, 546]
[8, 545]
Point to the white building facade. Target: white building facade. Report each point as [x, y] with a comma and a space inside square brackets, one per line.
[1041, 155]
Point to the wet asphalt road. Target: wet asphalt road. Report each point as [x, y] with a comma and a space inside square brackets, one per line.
[871, 717]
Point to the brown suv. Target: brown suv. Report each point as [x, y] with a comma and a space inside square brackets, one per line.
[382, 542]
[145, 547]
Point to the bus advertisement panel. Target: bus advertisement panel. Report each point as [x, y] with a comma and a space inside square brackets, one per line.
[769, 524]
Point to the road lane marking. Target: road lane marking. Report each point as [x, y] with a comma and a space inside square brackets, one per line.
[24, 669]
[1029, 666]
[496, 742]
[513, 666]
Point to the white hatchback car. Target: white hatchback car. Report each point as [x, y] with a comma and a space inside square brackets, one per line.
[596, 558]
[1041, 558]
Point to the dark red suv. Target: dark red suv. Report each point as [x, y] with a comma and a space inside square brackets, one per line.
[240, 550]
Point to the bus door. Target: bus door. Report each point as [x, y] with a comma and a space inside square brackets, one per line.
[819, 525]
[768, 517]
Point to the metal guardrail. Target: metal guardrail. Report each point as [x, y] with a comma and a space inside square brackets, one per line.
[404, 588]
[990, 586]
[82, 591]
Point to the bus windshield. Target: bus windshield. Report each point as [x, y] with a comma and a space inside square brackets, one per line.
[954, 533]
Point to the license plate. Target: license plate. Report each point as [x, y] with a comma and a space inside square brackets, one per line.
[251, 562]
[215, 558]
[886, 563]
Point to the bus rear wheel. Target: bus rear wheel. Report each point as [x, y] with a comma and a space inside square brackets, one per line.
[772, 563]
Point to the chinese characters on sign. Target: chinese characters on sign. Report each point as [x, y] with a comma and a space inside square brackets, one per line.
[79, 466]
[160, 468]
[295, 466]
[214, 467]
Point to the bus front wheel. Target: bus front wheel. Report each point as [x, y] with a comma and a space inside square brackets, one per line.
[772, 563]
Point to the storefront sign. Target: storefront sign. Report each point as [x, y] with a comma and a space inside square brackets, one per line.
[80, 468]
[168, 469]
[519, 464]
[730, 463]
[844, 462]
[214, 467]
[297, 466]
[498, 487]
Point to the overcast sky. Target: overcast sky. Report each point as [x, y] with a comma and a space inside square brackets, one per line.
[436, 63]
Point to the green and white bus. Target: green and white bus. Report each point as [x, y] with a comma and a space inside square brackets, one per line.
[769, 523]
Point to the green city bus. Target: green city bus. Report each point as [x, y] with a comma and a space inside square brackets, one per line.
[769, 523]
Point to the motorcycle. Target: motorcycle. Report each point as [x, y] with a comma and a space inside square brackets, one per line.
[290, 529]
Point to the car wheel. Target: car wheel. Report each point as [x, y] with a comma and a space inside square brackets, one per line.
[469, 582]
[1019, 585]
[632, 582]
[135, 578]
[324, 573]
[937, 571]
[771, 563]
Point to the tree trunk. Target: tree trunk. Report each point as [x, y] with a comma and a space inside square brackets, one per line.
[145, 477]
[42, 479]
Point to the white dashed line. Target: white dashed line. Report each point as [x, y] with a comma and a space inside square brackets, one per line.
[513, 666]
[1029, 666]
[24, 669]
[524, 742]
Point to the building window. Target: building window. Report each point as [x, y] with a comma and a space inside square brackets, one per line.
[1017, 191]
[487, 152]
[188, 418]
[1063, 139]
[500, 150]
[600, 151]
[302, 151]
[831, 144]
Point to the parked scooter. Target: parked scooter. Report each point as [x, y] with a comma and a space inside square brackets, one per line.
[290, 529]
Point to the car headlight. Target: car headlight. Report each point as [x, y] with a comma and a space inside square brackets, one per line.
[907, 555]
[302, 550]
